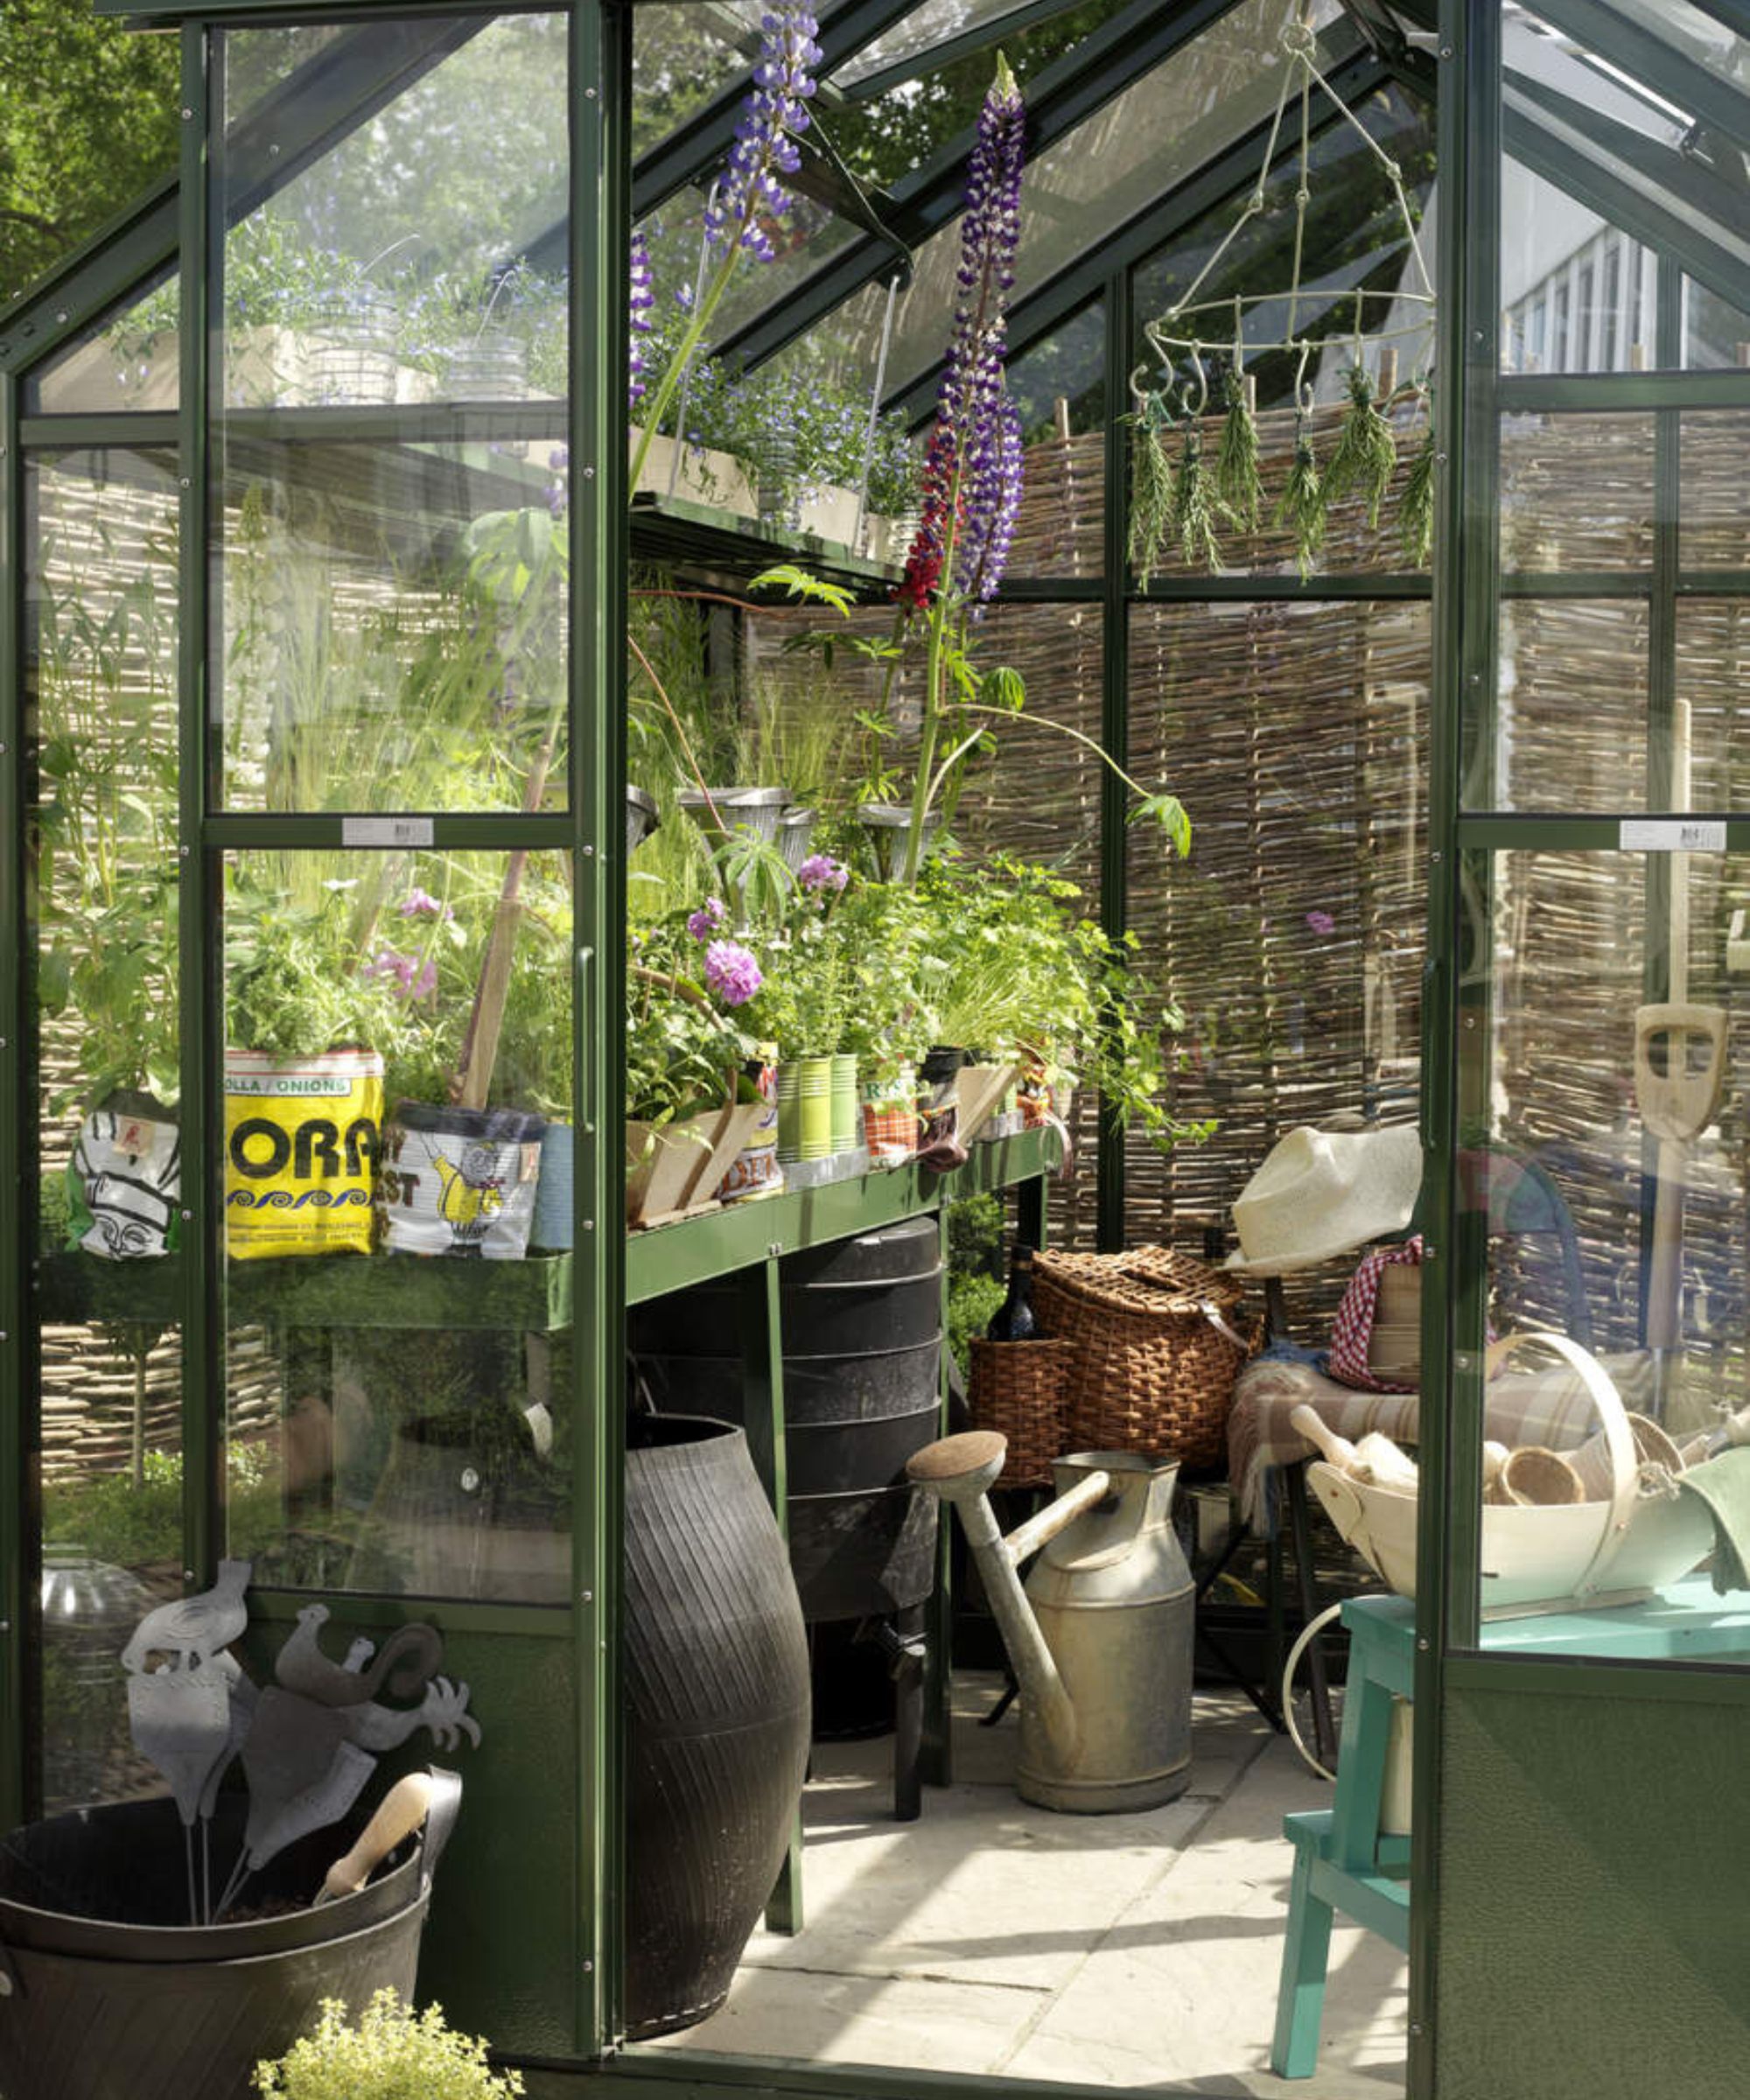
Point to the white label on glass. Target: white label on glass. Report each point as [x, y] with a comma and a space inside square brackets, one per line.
[385, 830]
[1672, 835]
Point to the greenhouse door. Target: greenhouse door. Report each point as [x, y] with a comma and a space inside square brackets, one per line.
[312, 823]
[1585, 1875]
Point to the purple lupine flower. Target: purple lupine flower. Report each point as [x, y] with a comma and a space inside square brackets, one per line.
[982, 436]
[821, 872]
[1321, 922]
[922, 578]
[421, 903]
[993, 505]
[641, 297]
[702, 923]
[731, 972]
[749, 196]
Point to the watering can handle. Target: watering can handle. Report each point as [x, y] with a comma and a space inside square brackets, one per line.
[440, 1820]
[1618, 1437]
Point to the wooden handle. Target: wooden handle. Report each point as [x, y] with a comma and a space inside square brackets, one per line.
[1314, 1426]
[401, 1812]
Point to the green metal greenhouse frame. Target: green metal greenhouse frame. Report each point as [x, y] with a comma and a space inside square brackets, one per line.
[1690, 205]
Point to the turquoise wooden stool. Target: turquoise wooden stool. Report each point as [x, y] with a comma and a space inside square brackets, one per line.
[1343, 1861]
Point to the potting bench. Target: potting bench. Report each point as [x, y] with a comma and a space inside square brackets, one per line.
[1343, 1860]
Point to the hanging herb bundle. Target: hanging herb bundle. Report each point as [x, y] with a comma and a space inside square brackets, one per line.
[1415, 511]
[1366, 452]
[1301, 506]
[1193, 520]
[1238, 484]
[1152, 488]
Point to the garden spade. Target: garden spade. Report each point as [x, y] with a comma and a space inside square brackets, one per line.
[1679, 1077]
[401, 1812]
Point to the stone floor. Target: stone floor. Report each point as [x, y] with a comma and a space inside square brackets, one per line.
[1130, 1951]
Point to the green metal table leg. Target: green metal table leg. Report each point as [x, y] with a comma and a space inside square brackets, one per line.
[762, 1370]
[934, 1758]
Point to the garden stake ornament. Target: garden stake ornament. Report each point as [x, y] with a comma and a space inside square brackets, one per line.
[1184, 504]
[309, 1743]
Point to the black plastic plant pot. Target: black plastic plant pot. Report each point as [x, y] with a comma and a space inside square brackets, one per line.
[104, 1995]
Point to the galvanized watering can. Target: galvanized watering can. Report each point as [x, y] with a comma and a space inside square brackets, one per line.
[1101, 1637]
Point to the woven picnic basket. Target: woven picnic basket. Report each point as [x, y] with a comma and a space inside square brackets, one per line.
[1159, 1342]
[1019, 1388]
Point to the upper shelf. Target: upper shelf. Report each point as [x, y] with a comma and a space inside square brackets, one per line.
[534, 1295]
[675, 532]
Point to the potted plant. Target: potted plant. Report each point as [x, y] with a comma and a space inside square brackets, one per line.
[689, 1107]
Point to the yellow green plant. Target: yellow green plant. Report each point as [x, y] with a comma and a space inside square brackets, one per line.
[393, 2054]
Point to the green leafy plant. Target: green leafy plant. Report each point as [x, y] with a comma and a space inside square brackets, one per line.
[105, 824]
[295, 980]
[685, 1044]
[391, 2052]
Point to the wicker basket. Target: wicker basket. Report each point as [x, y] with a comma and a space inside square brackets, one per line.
[1157, 1347]
[1018, 1388]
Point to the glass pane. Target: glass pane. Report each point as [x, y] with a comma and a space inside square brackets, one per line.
[679, 61]
[1576, 492]
[126, 360]
[1576, 293]
[1060, 387]
[1693, 33]
[423, 258]
[1570, 710]
[1293, 937]
[400, 1033]
[100, 664]
[937, 21]
[1610, 1192]
[1712, 677]
[394, 625]
[1716, 332]
[1715, 471]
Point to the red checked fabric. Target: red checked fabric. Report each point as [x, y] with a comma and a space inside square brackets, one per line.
[1353, 1327]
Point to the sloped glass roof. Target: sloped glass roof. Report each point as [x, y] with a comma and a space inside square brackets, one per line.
[1131, 152]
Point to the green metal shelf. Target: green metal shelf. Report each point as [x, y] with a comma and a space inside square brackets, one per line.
[674, 532]
[669, 1257]
[533, 1295]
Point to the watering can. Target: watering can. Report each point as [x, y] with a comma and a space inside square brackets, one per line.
[1099, 1639]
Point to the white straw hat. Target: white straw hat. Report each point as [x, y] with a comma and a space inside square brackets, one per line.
[1324, 1193]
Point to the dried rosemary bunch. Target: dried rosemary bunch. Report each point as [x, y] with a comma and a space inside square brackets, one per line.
[1301, 506]
[1192, 511]
[1366, 452]
[1152, 488]
[1416, 510]
[1238, 484]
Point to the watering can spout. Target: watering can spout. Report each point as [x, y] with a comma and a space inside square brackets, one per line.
[961, 1470]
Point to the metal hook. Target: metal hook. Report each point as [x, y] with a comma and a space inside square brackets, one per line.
[1305, 399]
[1139, 394]
[1185, 401]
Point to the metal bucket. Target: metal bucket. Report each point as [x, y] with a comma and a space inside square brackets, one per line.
[103, 1996]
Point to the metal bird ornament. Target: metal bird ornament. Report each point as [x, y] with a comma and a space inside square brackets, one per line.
[309, 1742]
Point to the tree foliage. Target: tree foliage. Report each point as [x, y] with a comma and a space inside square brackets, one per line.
[87, 120]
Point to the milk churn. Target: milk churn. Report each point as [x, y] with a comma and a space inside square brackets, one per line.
[1101, 1638]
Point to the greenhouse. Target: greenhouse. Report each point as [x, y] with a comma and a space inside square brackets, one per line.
[872, 1014]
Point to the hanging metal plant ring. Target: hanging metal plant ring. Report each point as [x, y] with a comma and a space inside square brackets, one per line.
[1365, 457]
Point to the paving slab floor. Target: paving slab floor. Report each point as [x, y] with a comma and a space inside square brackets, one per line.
[1137, 1951]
